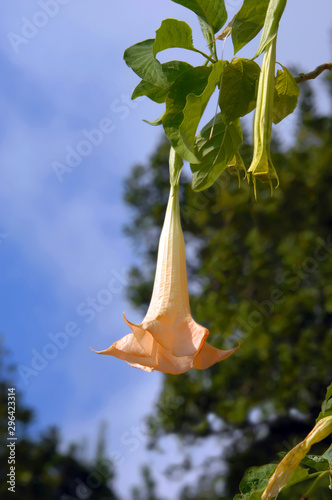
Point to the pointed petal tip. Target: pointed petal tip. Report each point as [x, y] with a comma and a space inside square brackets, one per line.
[98, 352]
[129, 323]
[210, 355]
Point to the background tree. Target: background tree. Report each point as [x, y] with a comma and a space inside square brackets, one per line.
[42, 470]
[260, 274]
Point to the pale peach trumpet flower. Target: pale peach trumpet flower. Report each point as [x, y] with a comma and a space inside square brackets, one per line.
[168, 339]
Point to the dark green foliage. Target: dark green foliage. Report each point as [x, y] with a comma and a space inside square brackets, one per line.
[42, 471]
[260, 273]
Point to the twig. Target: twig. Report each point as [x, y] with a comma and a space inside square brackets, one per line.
[303, 77]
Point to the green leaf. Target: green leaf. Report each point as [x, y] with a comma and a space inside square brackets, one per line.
[328, 454]
[192, 81]
[158, 121]
[286, 94]
[328, 392]
[316, 462]
[327, 404]
[215, 153]
[212, 11]
[172, 70]
[254, 482]
[238, 89]
[140, 58]
[196, 104]
[271, 24]
[156, 94]
[173, 33]
[299, 475]
[248, 22]
[207, 31]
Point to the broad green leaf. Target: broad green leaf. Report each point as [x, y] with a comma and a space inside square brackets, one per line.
[286, 94]
[215, 153]
[248, 22]
[140, 58]
[271, 24]
[196, 104]
[328, 454]
[316, 462]
[207, 31]
[238, 89]
[172, 70]
[192, 81]
[156, 94]
[212, 11]
[254, 482]
[173, 33]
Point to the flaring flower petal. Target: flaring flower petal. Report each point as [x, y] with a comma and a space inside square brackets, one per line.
[168, 339]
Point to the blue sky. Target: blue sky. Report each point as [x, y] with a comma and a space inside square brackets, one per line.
[62, 249]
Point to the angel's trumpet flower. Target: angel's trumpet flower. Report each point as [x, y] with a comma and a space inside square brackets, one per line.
[261, 165]
[169, 339]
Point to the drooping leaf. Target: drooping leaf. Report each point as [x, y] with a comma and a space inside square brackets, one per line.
[271, 23]
[215, 153]
[192, 81]
[254, 482]
[316, 462]
[299, 475]
[140, 58]
[196, 104]
[328, 454]
[285, 470]
[328, 392]
[286, 95]
[238, 89]
[172, 70]
[156, 94]
[326, 405]
[212, 11]
[173, 33]
[207, 31]
[248, 22]
[156, 122]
